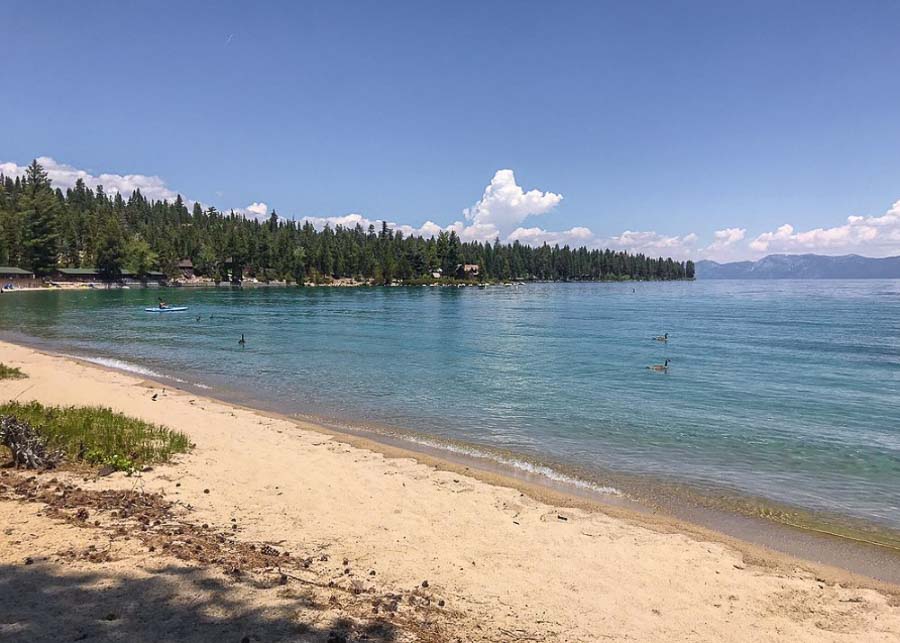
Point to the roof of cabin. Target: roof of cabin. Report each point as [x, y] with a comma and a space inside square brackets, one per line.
[93, 272]
[78, 271]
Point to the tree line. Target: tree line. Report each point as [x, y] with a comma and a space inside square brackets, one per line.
[42, 228]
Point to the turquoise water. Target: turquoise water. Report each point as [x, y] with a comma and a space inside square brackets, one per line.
[787, 391]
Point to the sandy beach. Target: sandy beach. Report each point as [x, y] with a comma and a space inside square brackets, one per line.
[397, 547]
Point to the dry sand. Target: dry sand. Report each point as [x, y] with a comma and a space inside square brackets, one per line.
[505, 564]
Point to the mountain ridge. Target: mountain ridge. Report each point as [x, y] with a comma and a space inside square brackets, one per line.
[805, 266]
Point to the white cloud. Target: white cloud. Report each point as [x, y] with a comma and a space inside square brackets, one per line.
[504, 205]
[259, 209]
[538, 236]
[256, 210]
[726, 246]
[727, 237]
[428, 229]
[153, 188]
[646, 242]
[347, 221]
[64, 176]
[653, 243]
[873, 236]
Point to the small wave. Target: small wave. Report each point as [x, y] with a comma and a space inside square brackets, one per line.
[515, 463]
[119, 365]
[128, 367]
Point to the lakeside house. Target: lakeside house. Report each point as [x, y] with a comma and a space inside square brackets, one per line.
[91, 275]
[77, 275]
[463, 271]
[151, 277]
[186, 266]
[233, 270]
[11, 276]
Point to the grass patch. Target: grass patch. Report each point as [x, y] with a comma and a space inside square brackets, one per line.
[99, 436]
[10, 373]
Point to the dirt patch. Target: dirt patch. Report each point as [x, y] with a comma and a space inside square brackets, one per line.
[313, 579]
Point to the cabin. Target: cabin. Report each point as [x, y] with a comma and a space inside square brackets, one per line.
[153, 277]
[92, 275]
[12, 277]
[77, 275]
[470, 270]
[186, 266]
[233, 269]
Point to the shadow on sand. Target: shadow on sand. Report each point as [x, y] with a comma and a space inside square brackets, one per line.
[40, 602]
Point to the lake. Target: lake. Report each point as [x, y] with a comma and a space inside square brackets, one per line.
[781, 398]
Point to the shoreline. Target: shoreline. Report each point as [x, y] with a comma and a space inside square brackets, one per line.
[782, 529]
[680, 507]
[506, 554]
[759, 526]
[334, 282]
[705, 503]
[838, 557]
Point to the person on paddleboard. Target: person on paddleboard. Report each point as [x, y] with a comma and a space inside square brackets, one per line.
[162, 304]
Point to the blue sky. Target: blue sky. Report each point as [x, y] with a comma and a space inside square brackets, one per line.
[671, 121]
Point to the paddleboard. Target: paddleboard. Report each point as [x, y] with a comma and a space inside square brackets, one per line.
[171, 309]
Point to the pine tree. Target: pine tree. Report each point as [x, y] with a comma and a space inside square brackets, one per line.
[90, 227]
[111, 253]
[139, 258]
[39, 208]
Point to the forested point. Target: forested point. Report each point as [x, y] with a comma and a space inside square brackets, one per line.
[42, 229]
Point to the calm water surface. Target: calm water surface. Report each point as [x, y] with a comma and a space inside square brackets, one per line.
[781, 390]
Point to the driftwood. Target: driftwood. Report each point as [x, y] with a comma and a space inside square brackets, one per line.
[27, 446]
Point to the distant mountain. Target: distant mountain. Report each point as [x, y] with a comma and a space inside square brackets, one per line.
[802, 267]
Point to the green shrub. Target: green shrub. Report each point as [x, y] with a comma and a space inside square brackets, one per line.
[100, 436]
[10, 372]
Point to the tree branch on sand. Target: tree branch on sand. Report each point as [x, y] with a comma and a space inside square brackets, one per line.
[27, 446]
